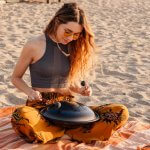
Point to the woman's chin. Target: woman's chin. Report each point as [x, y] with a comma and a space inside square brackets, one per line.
[65, 42]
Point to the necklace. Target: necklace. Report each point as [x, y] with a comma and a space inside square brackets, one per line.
[67, 55]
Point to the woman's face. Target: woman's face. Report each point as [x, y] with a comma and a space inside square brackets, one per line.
[68, 32]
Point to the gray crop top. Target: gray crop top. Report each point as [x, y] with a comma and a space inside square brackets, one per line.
[50, 71]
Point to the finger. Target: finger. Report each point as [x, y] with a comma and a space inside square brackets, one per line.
[30, 98]
[37, 97]
[83, 92]
[38, 93]
[86, 87]
[40, 96]
[86, 91]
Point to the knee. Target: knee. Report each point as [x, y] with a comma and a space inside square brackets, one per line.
[113, 112]
[125, 112]
[121, 110]
[116, 108]
[122, 113]
[26, 114]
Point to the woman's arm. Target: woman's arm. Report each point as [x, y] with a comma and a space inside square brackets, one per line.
[25, 59]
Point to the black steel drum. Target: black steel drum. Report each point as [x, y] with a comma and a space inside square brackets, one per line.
[69, 114]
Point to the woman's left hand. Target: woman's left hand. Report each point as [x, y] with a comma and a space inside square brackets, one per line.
[83, 90]
[86, 90]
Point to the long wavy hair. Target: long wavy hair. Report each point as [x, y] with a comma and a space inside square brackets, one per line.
[82, 49]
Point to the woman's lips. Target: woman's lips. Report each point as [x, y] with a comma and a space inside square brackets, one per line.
[66, 41]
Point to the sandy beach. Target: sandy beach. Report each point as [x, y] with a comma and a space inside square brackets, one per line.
[122, 34]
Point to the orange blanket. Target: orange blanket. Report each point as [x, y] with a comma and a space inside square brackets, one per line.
[133, 136]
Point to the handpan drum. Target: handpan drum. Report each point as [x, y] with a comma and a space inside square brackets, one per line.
[69, 114]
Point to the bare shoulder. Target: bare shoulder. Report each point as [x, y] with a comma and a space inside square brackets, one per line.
[32, 49]
[36, 42]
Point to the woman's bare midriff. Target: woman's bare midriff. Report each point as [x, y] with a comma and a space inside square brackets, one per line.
[62, 91]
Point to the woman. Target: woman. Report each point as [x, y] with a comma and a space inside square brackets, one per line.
[56, 61]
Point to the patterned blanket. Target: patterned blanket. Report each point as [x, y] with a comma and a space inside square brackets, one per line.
[135, 135]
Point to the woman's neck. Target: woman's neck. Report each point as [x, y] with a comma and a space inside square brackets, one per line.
[54, 38]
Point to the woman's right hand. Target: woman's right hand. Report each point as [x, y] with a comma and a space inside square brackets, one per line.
[34, 95]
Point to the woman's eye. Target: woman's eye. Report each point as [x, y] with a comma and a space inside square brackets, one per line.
[76, 34]
[67, 32]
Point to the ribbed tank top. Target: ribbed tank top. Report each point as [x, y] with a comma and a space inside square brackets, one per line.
[52, 69]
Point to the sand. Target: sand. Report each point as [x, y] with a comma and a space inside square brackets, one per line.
[122, 34]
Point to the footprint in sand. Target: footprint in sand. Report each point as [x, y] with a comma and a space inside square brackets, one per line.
[135, 95]
[147, 103]
[2, 77]
[119, 74]
[9, 64]
[2, 45]
[14, 99]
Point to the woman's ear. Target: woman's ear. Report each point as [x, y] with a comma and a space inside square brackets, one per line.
[57, 21]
